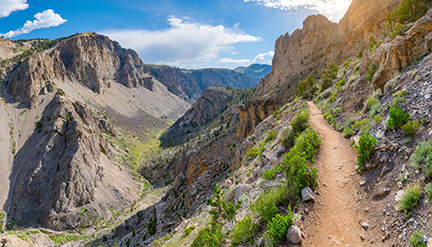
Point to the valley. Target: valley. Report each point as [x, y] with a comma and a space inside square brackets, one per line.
[329, 146]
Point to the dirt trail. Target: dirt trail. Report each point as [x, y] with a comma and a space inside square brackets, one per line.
[334, 218]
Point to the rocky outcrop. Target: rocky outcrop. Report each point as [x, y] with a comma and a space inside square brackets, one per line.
[255, 111]
[212, 102]
[395, 56]
[59, 176]
[90, 59]
[320, 41]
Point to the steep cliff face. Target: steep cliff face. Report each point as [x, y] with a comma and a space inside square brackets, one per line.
[91, 59]
[320, 41]
[66, 167]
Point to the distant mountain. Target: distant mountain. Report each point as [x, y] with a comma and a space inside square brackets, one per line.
[189, 84]
[255, 70]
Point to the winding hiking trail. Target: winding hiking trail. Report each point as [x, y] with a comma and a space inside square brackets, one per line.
[334, 220]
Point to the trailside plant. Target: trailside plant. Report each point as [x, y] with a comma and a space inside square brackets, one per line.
[244, 230]
[422, 158]
[365, 148]
[277, 227]
[428, 189]
[417, 239]
[398, 118]
[409, 199]
[410, 127]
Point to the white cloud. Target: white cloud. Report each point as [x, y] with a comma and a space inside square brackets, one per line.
[233, 61]
[333, 9]
[9, 6]
[184, 43]
[264, 58]
[44, 19]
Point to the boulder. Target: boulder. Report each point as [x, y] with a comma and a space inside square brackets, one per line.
[307, 194]
[294, 234]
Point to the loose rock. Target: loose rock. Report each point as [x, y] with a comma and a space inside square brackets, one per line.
[307, 194]
[294, 234]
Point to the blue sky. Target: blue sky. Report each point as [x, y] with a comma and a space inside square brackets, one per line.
[186, 34]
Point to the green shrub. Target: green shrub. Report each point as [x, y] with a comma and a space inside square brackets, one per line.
[397, 101]
[410, 127]
[418, 239]
[409, 199]
[359, 54]
[341, 82]
[266, 203]
[348, 122]
[428, 189]
[277, 228]
[372, 69]
[188, 230]
[2, 218]
[276, 114]
[60, 92]
[397, 118]
[306, 87]
[243, 231]
[400, 93]
[301, 121]
[365, 148]
[348, 132]
[254, 152]
[288, 137]
[378, 118]
[411, 10]
[269, 174]
[373, 43]
[38, 126]
[208, 237]
[328, 75]
[271, 136]
[362, 124]
[422, 158]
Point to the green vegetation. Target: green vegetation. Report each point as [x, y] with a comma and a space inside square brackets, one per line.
[373, 105]
[422, 158]
[410, 127]
[328, 75]
[348, 132]
[64, 238]
[418, 239]
[2, 218]
[243, 231]
[266, 203]
[299, 124]
[306, 87]
[269, 174]
[277, 227]
[428, 189]
[399, 97]
[409, 199]
[254, 152]
[60, 92]
[271, 136]
[365, 148]
[410, 11]
[373, 44]
[362, 124]
[378, 118]
[188, 230]
[372, 69]
[38, 126]
[398, 118]
[212, 234]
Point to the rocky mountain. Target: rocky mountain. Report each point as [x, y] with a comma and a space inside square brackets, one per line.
[320, 42]
[189, 84]
[74, 112]
[255, 70]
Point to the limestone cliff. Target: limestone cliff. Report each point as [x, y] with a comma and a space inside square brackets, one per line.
[320, 41]
[66, 167]
[91, 59]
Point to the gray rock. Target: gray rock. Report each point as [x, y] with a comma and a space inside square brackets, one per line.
[294, 234]
[365, 225]
[307, 194]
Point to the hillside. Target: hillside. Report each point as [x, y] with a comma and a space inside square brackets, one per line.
[257, 71]
[189, 84]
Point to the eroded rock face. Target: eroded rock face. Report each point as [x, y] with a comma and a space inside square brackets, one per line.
[61, 167]
[398, 54]
[320, 41]
[255, 111]
[91, 59]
